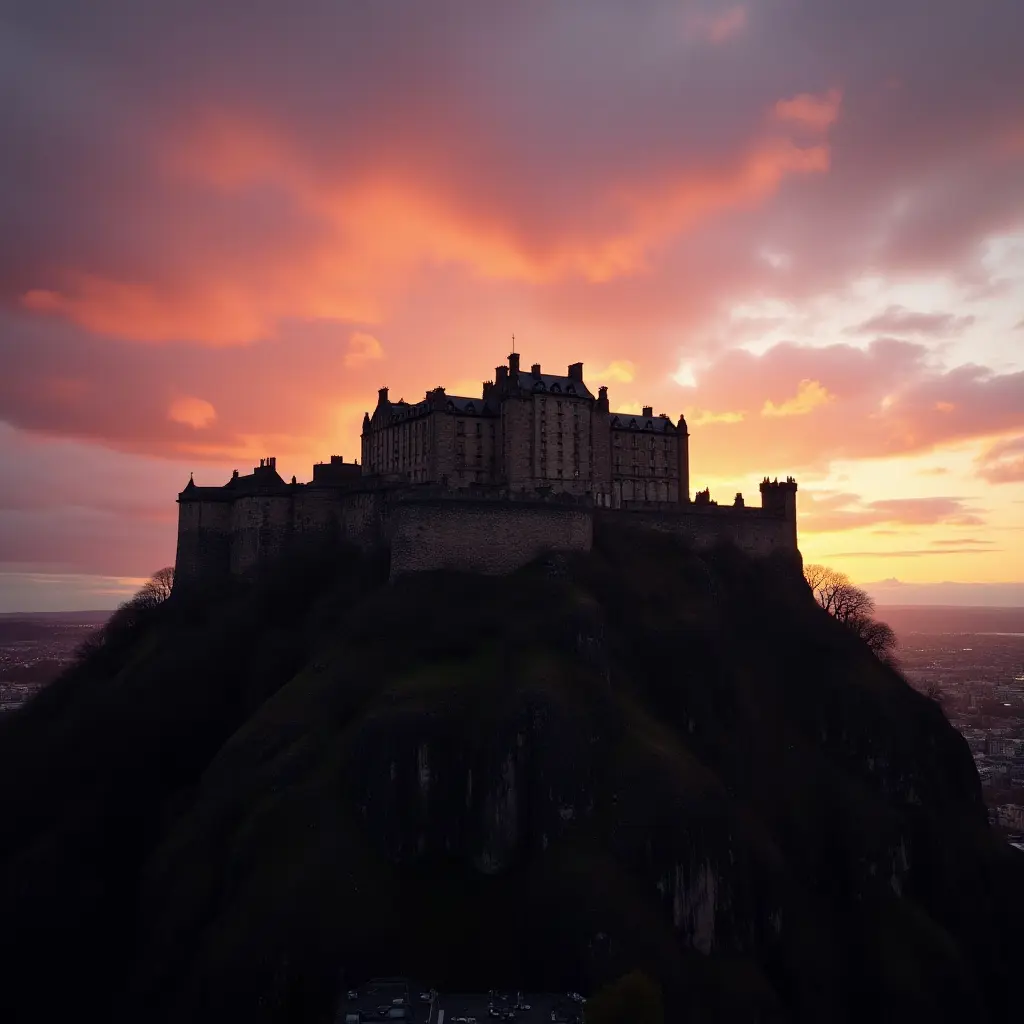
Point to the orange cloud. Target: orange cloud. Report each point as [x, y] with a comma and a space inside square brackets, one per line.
[811, 111]
[809, 396]
[702, 417]
[620, 371]
[220, 314]
[191, 411]
[363, 348]
[371, 230]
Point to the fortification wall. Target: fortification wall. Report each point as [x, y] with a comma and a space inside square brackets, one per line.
[357, 517]
[753, 530]
[204, 542]
[260, 527]
[481, 536]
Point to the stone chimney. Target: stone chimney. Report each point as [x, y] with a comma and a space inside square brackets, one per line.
[535, 369]
[382, 396]
[648, 411]
[602, 399]
[576, 371]
[513, 364]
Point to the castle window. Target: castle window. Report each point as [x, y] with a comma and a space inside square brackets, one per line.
[460, 426]
[479, 429]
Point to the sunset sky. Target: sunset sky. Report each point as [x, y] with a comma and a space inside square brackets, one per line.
[799, 222]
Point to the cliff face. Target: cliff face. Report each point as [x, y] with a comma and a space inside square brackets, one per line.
[639, 757]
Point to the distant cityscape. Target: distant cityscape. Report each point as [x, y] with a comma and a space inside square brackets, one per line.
[970, 659]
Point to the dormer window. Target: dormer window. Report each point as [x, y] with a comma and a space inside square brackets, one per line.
[571, 389]
[539, 386]
[556, 389]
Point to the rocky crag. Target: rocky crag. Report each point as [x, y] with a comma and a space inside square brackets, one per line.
[641, 757]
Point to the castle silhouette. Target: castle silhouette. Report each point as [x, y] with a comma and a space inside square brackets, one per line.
[484, 484]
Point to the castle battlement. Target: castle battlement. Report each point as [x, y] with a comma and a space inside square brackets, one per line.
[484, 484]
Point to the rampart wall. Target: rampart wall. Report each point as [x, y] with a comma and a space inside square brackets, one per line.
[755, 530]
[426, 530]
[204, 541]
[482, 536]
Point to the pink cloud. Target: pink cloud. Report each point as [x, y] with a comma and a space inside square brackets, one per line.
[817, 112]
[902, 321]
[888, 399]
[1003, 462]
[828, 512]
[727, 24]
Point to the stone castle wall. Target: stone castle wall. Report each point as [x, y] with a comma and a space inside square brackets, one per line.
[483, 536]
[757, 531]
[204, 541]
[431, 531]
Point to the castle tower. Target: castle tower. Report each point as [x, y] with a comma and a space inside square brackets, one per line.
[780, 499]
[684, 461]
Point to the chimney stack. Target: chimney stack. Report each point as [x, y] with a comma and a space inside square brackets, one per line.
[535, 369]
[576, 371]
[648, 411]
[513, 363]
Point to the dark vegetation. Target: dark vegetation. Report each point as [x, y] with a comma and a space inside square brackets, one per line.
[641, 760]
[854, 608]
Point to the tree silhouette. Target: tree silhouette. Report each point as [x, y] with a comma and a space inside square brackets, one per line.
[853, 607]
[130, 615]
[157, 589]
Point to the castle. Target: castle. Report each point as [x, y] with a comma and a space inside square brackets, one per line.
[484, 484]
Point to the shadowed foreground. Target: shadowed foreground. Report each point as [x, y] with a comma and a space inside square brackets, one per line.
[634, 759]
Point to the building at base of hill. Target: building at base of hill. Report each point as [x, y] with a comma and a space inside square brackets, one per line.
[481, 484]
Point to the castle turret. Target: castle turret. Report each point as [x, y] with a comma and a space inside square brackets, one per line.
[780, 499]
[684, 460]
[513, 366]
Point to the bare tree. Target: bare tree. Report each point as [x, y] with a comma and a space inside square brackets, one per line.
[879, 636]
[157, 589]
[836, 594]
[130, 614]
[853, 607]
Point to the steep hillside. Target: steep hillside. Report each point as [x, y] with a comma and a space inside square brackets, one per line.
[634, 758]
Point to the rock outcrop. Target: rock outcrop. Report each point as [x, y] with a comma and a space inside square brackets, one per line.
[643, 757]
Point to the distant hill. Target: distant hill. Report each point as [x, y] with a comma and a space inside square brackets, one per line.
[89, 617]
[638, 758]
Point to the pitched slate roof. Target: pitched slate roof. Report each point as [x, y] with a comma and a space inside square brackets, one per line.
[630, 421]
[469, 406]
[553, 384]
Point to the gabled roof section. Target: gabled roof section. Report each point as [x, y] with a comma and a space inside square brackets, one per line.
[553, 384]
[652, 424]
[469, 406]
